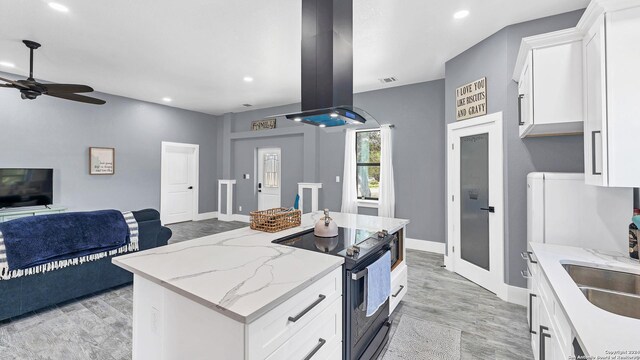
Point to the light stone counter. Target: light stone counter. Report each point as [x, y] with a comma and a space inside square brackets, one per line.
[240, 273]
[600, 332]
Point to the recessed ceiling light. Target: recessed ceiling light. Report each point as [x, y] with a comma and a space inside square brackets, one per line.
[334, 115]
[297, 119]
[247, 79]
[167, 99]
[461, 14]
[7, 64]
[322, 125]
[58, 7]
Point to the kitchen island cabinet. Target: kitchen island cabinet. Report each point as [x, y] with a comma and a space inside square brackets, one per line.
[236, 295]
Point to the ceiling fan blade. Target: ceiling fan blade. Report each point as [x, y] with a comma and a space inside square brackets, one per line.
[7, 85]
[14, 83]
[67, 88]
[79, 98]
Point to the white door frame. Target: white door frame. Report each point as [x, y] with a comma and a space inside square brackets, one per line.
[491, 124]
[163, 180]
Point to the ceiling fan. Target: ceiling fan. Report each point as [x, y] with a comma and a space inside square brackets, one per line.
[31, 89]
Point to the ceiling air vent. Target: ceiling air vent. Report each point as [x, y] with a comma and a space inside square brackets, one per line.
[247, 105]
[388, 80]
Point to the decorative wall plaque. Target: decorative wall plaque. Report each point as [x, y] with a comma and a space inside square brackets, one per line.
[263, 124]
[471, 100]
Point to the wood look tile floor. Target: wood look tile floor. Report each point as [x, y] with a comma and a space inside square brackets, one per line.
[99, 326]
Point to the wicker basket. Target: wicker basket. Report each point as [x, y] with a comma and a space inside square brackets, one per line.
[274, 220]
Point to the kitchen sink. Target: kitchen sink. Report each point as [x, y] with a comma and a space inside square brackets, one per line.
[615, 302]
[614, 291]
[604, 279]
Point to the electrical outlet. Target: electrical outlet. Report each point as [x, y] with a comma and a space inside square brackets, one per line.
[337, 179]
[239, 208]
[247, 176]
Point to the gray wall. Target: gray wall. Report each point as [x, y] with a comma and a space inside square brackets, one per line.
[54, 133]
[419, 162]
[495, 58]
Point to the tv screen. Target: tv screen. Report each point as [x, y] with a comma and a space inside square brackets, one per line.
[26, 187]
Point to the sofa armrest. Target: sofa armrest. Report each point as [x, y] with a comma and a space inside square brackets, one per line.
[163, 236]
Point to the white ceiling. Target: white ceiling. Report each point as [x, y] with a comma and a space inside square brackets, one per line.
[198, 51]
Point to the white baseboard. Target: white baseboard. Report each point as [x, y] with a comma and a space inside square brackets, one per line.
[424, 245]
[240, 217]
[206, 216]
[517, 295]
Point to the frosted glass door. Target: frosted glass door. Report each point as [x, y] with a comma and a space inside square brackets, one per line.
[474, 199]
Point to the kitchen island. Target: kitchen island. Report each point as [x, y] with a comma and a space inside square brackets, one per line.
[236, 295]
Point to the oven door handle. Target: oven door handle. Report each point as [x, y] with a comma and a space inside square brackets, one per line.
[357, 276]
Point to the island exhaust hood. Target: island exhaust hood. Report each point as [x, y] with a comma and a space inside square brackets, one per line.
[327, 65]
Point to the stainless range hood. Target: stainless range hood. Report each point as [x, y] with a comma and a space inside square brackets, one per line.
[327, 66]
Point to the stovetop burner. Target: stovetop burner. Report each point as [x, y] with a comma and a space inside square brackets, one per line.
[367, 241]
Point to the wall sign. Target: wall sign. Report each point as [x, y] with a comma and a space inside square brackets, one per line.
[471, 99]
[102, 161]
[263, 124]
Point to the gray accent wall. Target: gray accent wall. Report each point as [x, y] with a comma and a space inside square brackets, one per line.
[311, 154]
[54, 133]
[495, 58]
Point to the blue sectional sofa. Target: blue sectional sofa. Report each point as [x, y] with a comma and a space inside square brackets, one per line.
[28, 293]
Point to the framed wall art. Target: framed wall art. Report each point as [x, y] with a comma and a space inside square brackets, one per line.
[102, 161]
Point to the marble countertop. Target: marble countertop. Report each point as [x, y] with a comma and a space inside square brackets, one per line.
[240, 273]
[599, 332]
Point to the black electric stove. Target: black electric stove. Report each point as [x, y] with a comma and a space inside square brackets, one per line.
[363, 336]
[367, 243]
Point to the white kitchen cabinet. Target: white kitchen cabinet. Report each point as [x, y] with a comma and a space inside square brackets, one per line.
[611, 106]
[549, 75]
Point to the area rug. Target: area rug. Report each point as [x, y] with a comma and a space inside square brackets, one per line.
[416, 339]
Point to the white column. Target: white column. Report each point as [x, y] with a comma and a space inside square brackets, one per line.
[314, 195]
[228, 214]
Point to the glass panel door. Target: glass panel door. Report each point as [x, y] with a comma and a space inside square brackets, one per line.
[474, 196]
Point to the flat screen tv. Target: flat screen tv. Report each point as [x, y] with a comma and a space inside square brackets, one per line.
[26, 187]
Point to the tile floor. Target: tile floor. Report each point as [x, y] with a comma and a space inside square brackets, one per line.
[99, 326]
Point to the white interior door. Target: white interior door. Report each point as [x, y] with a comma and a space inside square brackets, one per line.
[179, 201]
[476, 211]
[269, 180]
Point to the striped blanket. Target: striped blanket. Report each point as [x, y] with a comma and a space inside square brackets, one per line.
[39, 244]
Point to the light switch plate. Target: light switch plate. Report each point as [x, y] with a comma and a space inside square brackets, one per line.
[247, 176]
[337, 179]
[239, 208]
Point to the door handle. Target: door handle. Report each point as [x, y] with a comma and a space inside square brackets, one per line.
[531, 296]
[543, 335]
[490, 209]
[520, 97]
[259, 187]
[190, 188]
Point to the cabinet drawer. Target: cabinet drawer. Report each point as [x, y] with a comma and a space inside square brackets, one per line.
[318, 339]
[274, 328]
[398, 286]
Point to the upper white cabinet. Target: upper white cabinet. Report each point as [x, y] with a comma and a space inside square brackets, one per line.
[549, 75]
[611, 96]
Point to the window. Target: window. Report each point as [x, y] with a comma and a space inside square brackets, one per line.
[368, 164]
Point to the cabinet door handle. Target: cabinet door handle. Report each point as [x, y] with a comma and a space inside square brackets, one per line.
[303, 312]
[321, 343]
[398, 292]
[531, 296]
[520, 97]
[525, 274]
[543, 337]
[593, 152]
[530, 257]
